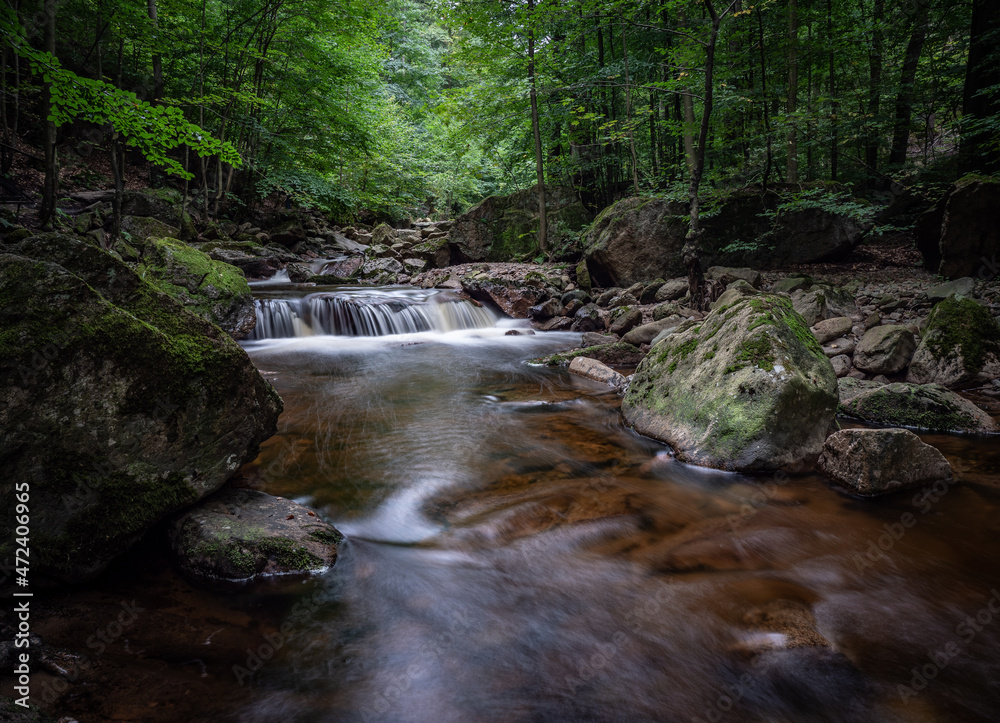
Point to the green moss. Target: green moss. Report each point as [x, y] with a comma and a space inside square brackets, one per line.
[962, 326]
[603, 352]
[327, 536]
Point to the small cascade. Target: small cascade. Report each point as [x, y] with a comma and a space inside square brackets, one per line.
[372, 314]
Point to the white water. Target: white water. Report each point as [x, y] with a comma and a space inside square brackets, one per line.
[368, 312]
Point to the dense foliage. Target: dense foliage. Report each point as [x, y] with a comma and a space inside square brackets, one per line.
[422, 106]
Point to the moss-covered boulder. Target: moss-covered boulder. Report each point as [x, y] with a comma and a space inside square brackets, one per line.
[920, 406]
[640, 238]
[885, 349]
[503, 228]
[238, 535]
[213, 290]
[747, 389]
[118, 407]
[960, 345]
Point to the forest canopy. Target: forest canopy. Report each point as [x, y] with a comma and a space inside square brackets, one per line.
[424, 107]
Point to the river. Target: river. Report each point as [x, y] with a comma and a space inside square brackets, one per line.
[515, 553]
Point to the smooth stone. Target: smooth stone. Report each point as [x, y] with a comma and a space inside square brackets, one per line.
[597, 371]
[830, 329]
[874, 462]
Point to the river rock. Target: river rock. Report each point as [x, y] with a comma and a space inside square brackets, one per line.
[588, 318]
[616, 354]
[747, 389]
[501, 228]
[515, 298]
[873, 462]
[672, 290]
[597, 371]
[624, 320]
[841, 363]
[546, 310]
[647, 332]
[591, 338]
[921, 406]
[728, 274]
[739, 289]
[844, 346]
[830, 329]
[959, 287]
[960, 345]
[885, 349]
[436, 252]
[823, 302]
[117, 405]
[792, 283]
[959, 236]
[239, 535]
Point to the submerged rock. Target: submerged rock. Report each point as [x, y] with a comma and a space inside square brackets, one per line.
[747, 389]
[597, 371]
[960, 344]
[922, 406]
[240, 534]
[879, 461]
[117, 405]
[616, 354]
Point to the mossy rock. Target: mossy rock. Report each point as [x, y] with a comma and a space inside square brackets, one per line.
[139, 229]
[117, 406]
[960, 345]
[505, 228]
[918, 406]
[214, 290]
[238, 535]
[163, 204]
[746, 389]
[617, 354]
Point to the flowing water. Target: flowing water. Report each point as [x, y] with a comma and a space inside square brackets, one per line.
[516, 553]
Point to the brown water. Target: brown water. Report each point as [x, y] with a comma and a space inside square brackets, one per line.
[516, 554]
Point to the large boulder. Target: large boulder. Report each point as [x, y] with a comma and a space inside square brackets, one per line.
[873, 462]
[640, 239]
[118, 406]
[239, 534]
[747, 389]
[960, 345]
[960, 236]
[501, 228]
[921, 406]
[213, 290]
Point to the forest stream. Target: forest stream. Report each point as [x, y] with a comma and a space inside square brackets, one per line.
[514, 552]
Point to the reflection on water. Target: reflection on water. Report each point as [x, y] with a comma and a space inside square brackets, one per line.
[516, 554]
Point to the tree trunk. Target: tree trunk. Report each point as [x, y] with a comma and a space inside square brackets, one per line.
[835, 106]
[978, 146]
[691, 252]
[769, 160]
[904, 99]
[874, 90]
[51, 184]
[792, 169]
[117, 168]
[536, 130]
[157, 58]
[689, 151]
[628, 116]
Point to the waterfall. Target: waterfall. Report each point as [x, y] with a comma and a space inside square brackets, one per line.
[373, 313]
